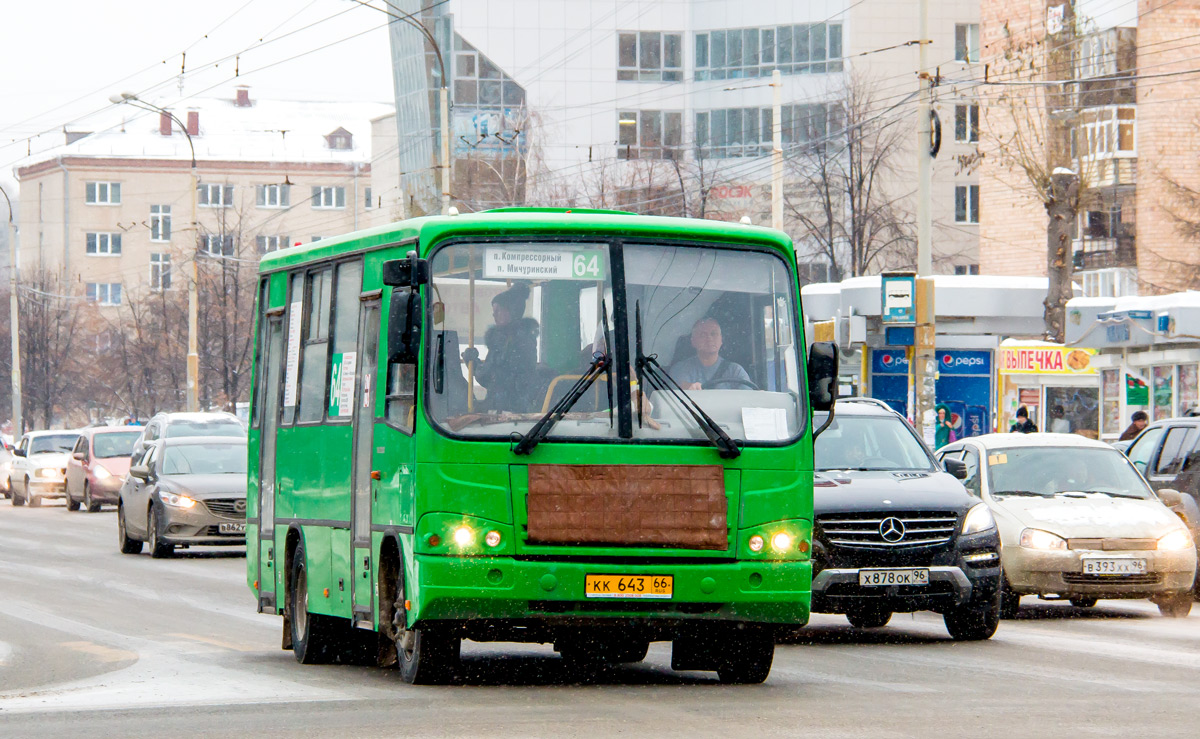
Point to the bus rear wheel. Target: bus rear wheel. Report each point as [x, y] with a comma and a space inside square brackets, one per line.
[426, 656]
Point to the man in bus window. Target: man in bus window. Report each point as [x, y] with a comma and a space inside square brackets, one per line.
[708, 370]
[509, 372]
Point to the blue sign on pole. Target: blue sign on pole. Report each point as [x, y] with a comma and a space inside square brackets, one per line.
[898, 303]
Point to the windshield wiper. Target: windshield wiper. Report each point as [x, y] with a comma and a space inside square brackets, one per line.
[648, 368]
[601, 363]
[1034, 493]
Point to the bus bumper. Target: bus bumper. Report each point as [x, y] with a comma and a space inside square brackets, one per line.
[504, 588]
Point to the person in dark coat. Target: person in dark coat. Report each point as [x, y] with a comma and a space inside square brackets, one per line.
[509, 371]
[1023, 425]
[1137, 422]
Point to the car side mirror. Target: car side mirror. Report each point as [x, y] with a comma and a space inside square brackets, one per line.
[955, 467]
[18, 452]
[822, 375]
[404, 326]
[79, 455]
[1170, 498]
[139, 471]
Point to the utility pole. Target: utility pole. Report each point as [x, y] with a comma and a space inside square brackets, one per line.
[924, 365]
[776, 150]
[193, 355]
[15, 328]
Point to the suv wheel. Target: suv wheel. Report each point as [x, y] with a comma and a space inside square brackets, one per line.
[868, 618]
[975, 621]
[1010, 600]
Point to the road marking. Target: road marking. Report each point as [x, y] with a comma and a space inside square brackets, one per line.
[217, 643]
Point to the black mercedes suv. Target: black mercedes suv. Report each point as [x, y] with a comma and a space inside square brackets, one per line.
[894, 531]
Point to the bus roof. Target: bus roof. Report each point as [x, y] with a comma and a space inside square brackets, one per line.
[429, 229]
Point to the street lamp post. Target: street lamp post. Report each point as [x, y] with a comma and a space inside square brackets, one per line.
[15, 328]
[193, 355]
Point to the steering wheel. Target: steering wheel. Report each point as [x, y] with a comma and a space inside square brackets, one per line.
[713, 385]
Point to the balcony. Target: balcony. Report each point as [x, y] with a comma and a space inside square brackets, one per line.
[1105, 253]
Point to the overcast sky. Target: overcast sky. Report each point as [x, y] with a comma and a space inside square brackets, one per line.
[60, 61]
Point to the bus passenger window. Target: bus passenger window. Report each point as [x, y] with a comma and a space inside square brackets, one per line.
[313, 365]
[295, 318]
[344, 359]
[401, 395]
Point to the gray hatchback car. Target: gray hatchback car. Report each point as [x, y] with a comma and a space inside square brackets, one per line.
[184, 492]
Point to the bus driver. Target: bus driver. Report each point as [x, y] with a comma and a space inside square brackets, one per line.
[708, 369]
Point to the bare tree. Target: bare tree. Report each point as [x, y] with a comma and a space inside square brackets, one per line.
[52, 322]
[839, 191]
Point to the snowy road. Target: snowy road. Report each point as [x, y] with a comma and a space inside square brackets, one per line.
[97, 643]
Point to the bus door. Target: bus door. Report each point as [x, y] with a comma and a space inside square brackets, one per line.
[362, 591]
[267, 575]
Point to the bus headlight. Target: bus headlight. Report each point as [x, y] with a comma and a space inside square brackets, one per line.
[756, 543]
[464, 536]
[781, 542]
[492, 539]
[1176, 540]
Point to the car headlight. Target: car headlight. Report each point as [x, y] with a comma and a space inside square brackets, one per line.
[1038, 539]
[101, 472]
[176, 501]
[978, 519]
[49, 472]
[1176, 540]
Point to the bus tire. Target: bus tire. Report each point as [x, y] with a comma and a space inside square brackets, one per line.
[747, 660]
[425, 655]
[314, 641]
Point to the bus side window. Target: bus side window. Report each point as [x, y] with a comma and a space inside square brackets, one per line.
[315, 362]
[343, 358]
[295, 315]
[260, 356]
[401, 395]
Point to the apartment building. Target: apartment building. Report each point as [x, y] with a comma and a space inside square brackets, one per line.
[1132, 121]
[665, 106]
[121, 211]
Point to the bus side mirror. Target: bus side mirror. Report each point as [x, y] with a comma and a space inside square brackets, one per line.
[822, 375]
[411, 271]
[404, 326]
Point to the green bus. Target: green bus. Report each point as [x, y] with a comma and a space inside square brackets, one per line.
[584, 428]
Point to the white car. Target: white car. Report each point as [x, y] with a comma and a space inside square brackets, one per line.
[1077, 521]
[39, 466]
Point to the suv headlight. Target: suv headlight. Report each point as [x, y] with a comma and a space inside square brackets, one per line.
[176, 501]
[978, 519]
[1175, 541]
[1038, 539]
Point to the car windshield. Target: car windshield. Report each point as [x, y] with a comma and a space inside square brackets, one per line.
[216, 427]
[1049, 471]
[52, 443]
[204, 459]
[867, 443]
[516, 326]
[114, 443]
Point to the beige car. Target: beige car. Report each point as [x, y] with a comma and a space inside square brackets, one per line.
[1077, 522]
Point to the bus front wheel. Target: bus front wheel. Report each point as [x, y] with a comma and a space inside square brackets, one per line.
[426, 656]
[748, 660]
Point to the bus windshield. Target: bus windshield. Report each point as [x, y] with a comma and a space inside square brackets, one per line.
[516, 325]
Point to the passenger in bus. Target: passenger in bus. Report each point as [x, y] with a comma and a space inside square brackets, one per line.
[510, 371]
[707, 369]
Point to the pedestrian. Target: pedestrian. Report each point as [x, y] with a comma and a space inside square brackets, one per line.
[943, 432]
[1137, 422]
[1023, 425]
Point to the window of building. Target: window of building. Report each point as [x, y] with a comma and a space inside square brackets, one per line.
[966, 203]
[746, 132]
[966, 123]
[103, 244]
[340, 139]
[966, 269]
[313, 369]
[160, 223]
[267, 244]
[273, 196]
[329, 197]
[214, 196]
[650, 56]
[368, 201]
[160, 271]
[649, 134]
[104, 293]
[810, 48]
[218, 245]
[103, 193]
[1109, 131]
[482, 84]
[1109, 283]
[966, 42]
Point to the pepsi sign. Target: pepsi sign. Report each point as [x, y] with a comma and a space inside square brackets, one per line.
[965, 362]
[889, 361]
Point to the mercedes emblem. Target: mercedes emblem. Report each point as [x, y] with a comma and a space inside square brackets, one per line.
[891, 529]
